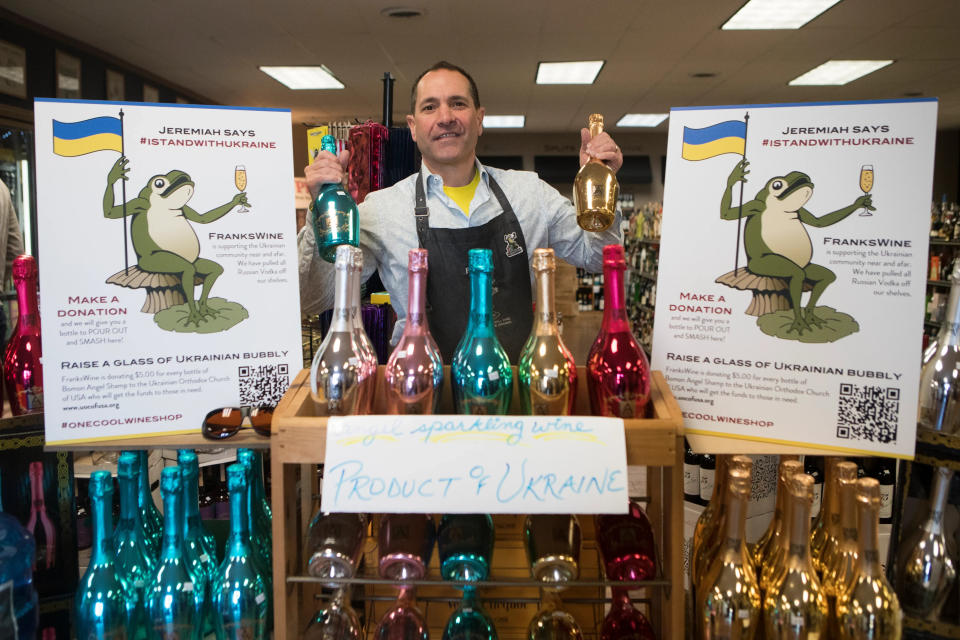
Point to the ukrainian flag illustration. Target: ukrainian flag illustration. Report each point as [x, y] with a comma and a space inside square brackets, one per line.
[715, 140]
[79, 138]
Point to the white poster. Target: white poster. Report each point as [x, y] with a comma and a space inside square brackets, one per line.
[167, 264]
[792, 272]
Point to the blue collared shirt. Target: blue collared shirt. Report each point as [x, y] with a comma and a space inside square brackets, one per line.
[388, 231]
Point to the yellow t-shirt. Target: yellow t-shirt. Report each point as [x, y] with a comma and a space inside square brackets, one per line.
[463, 196]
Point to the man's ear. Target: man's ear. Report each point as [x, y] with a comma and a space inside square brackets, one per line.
[480, 113]
[412, 125]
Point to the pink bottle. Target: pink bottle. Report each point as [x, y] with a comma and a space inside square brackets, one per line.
[22, 372]
[618, 372]
[47, 542]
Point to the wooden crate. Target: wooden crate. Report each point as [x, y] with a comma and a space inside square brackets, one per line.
[299, 444]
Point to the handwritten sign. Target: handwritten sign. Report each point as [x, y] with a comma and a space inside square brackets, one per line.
[470, 464]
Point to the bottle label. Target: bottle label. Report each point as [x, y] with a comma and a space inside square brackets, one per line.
[691, 479]
[30, 398]
[706, 483]
[817, 495]
[886, 501]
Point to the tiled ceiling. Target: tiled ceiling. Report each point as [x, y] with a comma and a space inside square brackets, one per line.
[652, 49]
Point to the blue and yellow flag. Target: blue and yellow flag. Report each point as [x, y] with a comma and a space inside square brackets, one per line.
[715, 140]
[96, 134]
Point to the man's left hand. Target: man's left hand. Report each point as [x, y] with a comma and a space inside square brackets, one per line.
[602, 147]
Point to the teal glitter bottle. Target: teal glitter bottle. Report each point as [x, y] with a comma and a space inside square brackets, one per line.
[174, 605]
[261, 523]
[241, 600]
[465, 546]
[149, 514]
[260, 543]
[482, 379]
[135, 566]
[100, 608]
[469, 621]
[336, 220]
[201, 561]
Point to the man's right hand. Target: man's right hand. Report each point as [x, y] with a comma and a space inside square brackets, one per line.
[326, 169]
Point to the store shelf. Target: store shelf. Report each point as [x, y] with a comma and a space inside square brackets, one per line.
[928, 629]
[938, 449]
[652, 241]
[299, 444]
[939, 283]
[944, 243]
[931, 324]
[246, 438]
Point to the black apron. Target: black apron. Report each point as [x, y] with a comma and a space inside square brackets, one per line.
[448, 285]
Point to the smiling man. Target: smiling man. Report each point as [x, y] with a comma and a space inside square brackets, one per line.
[453, 204]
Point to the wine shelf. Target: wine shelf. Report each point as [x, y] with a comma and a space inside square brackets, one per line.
[299, 444]
[929, 630]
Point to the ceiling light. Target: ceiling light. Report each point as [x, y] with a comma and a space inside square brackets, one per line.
[839, 72]
[503, 122]
[568, 72]
[777, 14]
[304, 77]
[642, 119]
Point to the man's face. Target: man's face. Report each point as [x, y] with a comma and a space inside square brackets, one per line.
[445, 123]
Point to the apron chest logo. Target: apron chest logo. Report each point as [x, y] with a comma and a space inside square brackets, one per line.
[513, 247]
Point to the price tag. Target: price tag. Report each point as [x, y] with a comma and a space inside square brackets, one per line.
[475, 464]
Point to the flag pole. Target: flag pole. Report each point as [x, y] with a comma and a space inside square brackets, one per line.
[123, 194]
[736, 249]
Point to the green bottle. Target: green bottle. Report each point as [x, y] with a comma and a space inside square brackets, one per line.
[149, 514]
[100, 607]
[199, 546]
[336, 220]
[260, 543]
[261, 526]
[241, 599]
[135, 565]
[469, 621]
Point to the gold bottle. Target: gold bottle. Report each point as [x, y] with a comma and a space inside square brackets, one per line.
[840, 562]
[546, 372]
[774, 559]
[820, 530]
[728, 600]
[762, 547]
[595, 189]
[867, 607]
[794, 607]
[843, 471]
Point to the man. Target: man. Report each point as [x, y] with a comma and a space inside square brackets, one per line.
[452, 205]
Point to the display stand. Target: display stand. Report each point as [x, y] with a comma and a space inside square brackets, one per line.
[299, 444]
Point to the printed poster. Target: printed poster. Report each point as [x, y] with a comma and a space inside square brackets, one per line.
[167, 264]
[792, 271]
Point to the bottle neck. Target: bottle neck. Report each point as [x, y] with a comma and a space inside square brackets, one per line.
[191, 498]
[545, 318]
[848, 511]
[938, 499]
[29, 309]
[950, 330]
[172, 527]
[144, 496]
[868, 554]
[341, 301]
[735, 520]
[36, 486]
[614, 311]
[102, 530]
[129, 507]
[416, 303]
[481, 301]
[239, 516]
[800, 530]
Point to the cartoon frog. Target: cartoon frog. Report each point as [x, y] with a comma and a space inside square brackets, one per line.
[776, 240]
[162, 235]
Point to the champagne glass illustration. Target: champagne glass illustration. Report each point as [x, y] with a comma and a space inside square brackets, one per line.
[240, 179]
[866, 184]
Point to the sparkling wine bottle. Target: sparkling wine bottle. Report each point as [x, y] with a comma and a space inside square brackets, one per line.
[334, 544]
[465, 546]
[39, 523]
[939, 390]
[405, 543]
[814, 467]
[341, 378]
[367, 352]
[336, 621]
[100, 610]
[261, 522]
[708, 476]
[403, 621]
[134, 563]
[794, 606]
[867, 607]
[469, 621]
[22, 369]
[770, 540]
[414, 371]
[840, 561]
[336, 220]
[201, 564]
[546, 372]
[552, 622]
[772, 560]
[822, 525]
[626, 545]
[842, 471]
[482, 378]
[618, 373]
[261, 556]
[16, 574]
[595, 189]
[552, 542]
[925, 570]
[149, 514]
[728, 599]
[624, 621]
[195, 534]
[174, 606]
[240, 597]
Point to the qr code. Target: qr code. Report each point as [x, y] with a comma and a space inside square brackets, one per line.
[263, 386]
[868, 413]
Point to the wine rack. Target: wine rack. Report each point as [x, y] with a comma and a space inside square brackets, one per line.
[510, 595]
